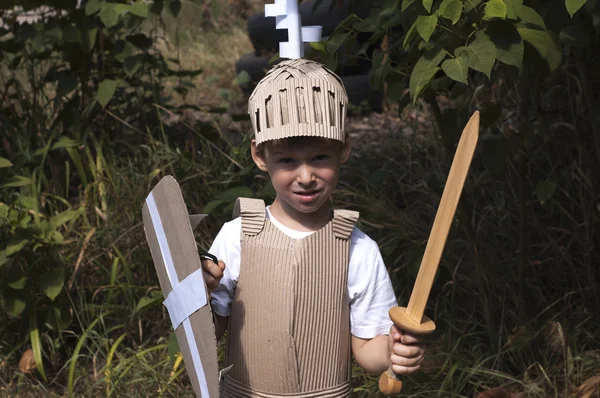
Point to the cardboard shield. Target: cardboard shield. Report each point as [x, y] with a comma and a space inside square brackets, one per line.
[168, 229]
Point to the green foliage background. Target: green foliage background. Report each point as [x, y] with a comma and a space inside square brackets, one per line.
[83, 104]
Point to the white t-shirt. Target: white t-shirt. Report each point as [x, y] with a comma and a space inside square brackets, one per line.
[369, 286]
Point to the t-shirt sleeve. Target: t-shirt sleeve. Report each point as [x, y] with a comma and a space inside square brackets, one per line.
[370, 289]
[226, 247]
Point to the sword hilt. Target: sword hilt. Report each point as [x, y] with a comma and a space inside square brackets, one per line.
[389, 382]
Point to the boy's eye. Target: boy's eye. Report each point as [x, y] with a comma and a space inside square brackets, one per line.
[285, 160]
[321, 157]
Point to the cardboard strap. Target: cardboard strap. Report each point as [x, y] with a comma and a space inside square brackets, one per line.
[172, 274]
[187, 297]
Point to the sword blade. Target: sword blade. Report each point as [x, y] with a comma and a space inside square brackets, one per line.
[443, 219]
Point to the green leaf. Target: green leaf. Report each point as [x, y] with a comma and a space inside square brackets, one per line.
[14, 306]
[575, 36]
[140, 9]
[65, 142]
[508, 42]
[424, 71]
[106, 90]
[395, 90]
[457, 68]
[5, 163]
[544, 190]
[427, 4]
[482, 55]
[17, 279]
[122, 50]
[56, 237]
[132, 64]
[15, 245]
[243, 78]
[72, 34]
[452, 11]
[17, 181]
[173, 347]
[410, 35]
[3, 210]
[369, 24]
[547, 44]
[36, 344]
[175, 7]
[426, 25]
[63, 218]
[108, 15]
[58, 318]
[513, 8]
[146, 301]
[27, 202]
[574, 5]
[89, 39]
[494, 9]
[530, 17]
[471, 4]
[93, 6]
[51, 282]
[406, 4]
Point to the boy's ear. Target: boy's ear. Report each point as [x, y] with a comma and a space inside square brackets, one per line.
[346, 149]
[258, 157]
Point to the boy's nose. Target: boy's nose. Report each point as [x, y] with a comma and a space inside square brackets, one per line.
[305, 175]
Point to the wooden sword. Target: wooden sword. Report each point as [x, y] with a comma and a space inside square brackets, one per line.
[411, 318]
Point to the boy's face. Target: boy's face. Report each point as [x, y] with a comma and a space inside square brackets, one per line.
[303, 172]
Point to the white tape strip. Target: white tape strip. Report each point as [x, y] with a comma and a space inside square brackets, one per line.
[311, 33]
[273, 10]
[187, 297]
[287, 17]
[172, 274]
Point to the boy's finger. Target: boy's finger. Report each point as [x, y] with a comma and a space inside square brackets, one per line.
[408, 338]
[408, 351]
[405, 370]
[396, 333]
[213, 269]
[221, 265]
[406, 362]
[211, 283]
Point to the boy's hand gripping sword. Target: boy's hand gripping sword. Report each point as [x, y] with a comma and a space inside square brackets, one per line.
[411, 318]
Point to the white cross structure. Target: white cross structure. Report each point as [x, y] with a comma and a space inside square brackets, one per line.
[287, 17]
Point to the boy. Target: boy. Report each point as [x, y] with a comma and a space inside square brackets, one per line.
[298, 286]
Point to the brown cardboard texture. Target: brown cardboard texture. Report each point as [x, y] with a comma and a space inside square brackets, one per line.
[175, 255]
[298, 97]
[289, 327]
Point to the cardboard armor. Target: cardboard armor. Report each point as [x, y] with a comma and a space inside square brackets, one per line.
[289, 328]
[169, 233]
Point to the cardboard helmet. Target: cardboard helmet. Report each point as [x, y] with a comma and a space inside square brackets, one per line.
[298, 97]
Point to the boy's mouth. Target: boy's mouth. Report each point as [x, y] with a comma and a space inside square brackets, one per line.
[307, 196]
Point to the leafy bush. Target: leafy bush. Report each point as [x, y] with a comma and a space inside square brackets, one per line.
[71, 85]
